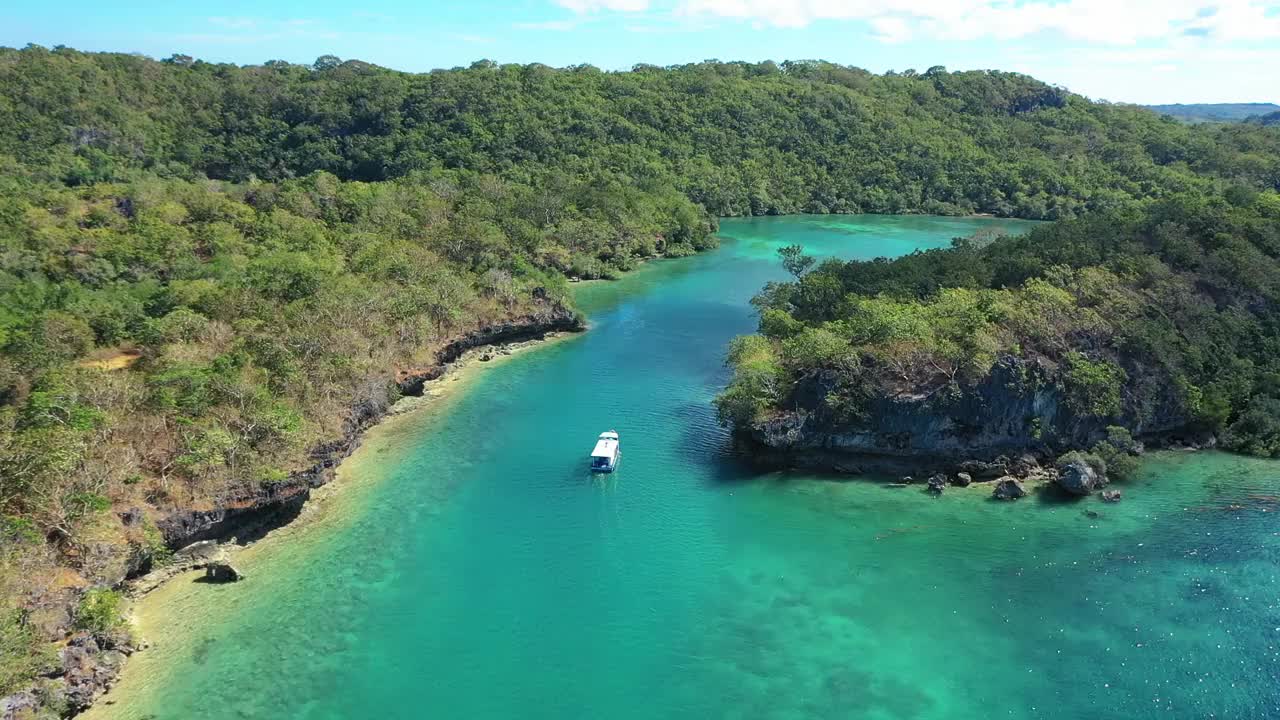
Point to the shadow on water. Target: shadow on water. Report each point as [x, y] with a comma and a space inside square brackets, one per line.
[1052, 495]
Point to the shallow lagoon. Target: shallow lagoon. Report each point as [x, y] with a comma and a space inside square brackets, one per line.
[467, 566]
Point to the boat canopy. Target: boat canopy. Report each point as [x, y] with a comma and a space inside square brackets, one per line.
[606, 446]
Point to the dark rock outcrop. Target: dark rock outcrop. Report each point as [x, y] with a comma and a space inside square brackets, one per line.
[222, 572]
[962, 480]
[937, 483]
[19, 705]
[1024, 465]
[554, 318]
[1079, 478]
[1008, 489]
[986, 470]
[997, 426]
[89, 668]
[132, 517]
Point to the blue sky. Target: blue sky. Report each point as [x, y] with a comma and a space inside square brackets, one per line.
[1121, 50]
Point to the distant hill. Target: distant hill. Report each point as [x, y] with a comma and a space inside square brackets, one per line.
[1268, 119]
[1215, 112]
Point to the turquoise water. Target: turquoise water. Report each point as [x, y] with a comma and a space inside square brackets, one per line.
[487, 575]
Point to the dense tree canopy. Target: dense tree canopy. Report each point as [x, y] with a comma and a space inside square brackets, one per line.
[738, 138]
[1175, 303]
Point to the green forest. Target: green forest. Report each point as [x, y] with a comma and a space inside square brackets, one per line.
[204, 267]
[1216, 112]
[1161, 313]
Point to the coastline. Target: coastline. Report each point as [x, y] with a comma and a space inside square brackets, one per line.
[163, 603]
[162, 609]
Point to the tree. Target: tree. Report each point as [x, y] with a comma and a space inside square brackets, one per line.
[794, 260]
[326, 62]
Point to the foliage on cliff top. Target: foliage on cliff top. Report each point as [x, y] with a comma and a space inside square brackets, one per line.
[1185, 290]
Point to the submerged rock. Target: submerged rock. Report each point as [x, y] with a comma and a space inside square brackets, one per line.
[1008, 489]
[963, 479]
[1079, 478]
[937, 483]
[1111, 496]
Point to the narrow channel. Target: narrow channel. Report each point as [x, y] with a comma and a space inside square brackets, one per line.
[485, 573]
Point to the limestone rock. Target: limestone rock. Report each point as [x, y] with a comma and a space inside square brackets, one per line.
[1111, 496]
[937, 483]
[1025, 465]
[132, 517]
[87, 669]
[204, 551]
[1008, 488]
[15, 705]
[1079, 478]
[963, 479]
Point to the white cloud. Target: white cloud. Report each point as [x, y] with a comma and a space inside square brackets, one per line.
[891, 29]
[1111, 22]
[586, 6]
[556, 25]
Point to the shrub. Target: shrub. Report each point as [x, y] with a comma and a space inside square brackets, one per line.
[1092, 387]
[1118, 452]
[756, 381]
[22, 655]
[100, 611]
[1257, 430]
[155, 546]
[816, 347]
[1097, 463]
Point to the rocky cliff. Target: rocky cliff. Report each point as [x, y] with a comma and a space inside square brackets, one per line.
[1015, 410]
[249, 513]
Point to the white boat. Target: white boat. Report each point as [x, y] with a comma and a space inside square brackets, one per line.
[604, 458]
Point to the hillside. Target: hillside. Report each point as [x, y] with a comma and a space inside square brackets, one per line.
[211, 276]
[1267, 120]
[737, 138]
[1215, 112]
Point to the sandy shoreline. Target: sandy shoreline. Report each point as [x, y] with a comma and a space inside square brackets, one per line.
[162, 611]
